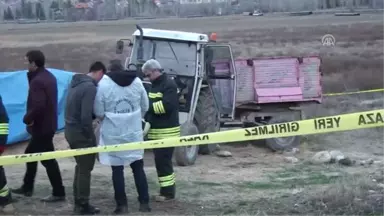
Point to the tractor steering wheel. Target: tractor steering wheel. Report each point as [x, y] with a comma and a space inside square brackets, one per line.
[133, 68]
[130, 65]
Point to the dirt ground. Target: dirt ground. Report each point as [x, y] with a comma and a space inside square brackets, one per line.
[254, 181]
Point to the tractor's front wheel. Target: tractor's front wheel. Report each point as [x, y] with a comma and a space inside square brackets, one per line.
[206, 118]
[186, 155]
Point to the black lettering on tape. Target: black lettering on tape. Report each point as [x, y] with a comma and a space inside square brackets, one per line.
[273, 129]
[327, 123]
[195, 138]
[157, 143]
[283, 128]
[295, 127]
[370, 118]
[247, 132]
[262, 130]
[28, 155]
[250, 131]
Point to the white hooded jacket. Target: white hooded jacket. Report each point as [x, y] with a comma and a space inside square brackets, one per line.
[121, 102]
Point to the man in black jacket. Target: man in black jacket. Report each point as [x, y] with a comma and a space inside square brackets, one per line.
[41, 121]
[79, 132]
[163, 115]
[5, 193]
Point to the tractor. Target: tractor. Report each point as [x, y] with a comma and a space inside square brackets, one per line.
[211, 95]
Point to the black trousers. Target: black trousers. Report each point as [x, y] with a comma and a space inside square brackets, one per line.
[39, 144]
[164, 167]
[5, 194]
[140, 182]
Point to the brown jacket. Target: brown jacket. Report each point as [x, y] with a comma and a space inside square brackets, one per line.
[41, 116]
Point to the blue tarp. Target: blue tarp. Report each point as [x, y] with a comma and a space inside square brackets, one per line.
[14, 91]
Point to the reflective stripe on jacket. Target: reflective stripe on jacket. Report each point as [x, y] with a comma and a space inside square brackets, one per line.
[163, 113]
[4, 126]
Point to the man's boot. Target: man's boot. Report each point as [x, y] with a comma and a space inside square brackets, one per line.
[52, 198]
[144, 207]
[121, 209]
[6, 206]
[162, 198]
[22, 191]
[85, 209]
[166, 194]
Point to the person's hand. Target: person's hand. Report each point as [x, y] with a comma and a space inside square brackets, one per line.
[29, 128]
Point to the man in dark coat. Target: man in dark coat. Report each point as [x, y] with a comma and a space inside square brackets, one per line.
[41, 121]
[6, 206]
[80, 134]
[163, 115]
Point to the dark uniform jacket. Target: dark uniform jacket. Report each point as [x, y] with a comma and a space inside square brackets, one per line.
[41, 103]
[3, 126]
[163, 113]
[4, 190]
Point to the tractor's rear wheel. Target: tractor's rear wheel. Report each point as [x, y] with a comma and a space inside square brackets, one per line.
[186, 155]
[206, 118]
[282, 143]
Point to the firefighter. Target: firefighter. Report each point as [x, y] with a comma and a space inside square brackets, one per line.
[163, 115]
[5, 193]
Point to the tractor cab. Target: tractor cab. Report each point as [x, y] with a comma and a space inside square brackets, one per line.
[198, 66]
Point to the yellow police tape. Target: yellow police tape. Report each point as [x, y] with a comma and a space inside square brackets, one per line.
[355, 92]
[327, 124]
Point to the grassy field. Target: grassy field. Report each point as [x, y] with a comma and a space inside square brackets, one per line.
[254, 181]
[354, 63]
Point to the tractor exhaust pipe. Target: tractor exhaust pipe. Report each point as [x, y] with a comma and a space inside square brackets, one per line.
[140, 54]
[140, 51]
[140, 60]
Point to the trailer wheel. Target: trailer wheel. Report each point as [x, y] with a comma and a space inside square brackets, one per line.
[206, 118]
[186, 155]
[282, 143]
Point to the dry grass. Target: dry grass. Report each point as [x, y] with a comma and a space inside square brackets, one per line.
[354, 63]
[349, 196]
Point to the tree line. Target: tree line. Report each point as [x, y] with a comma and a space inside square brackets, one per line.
[25, 11]
[28, 10]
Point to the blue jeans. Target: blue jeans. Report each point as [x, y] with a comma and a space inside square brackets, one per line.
[140, 182]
